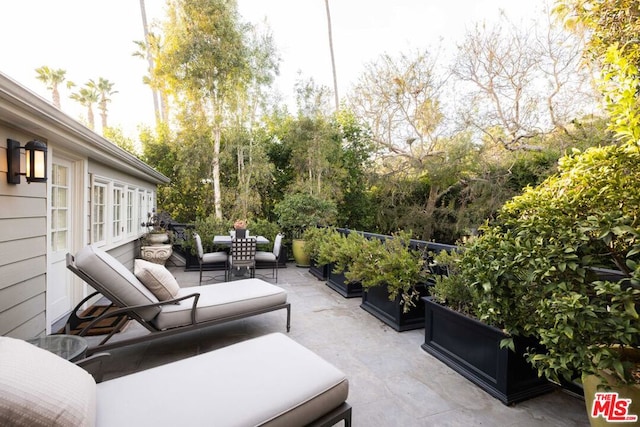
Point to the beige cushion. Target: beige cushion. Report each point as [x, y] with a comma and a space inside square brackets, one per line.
[38, 388]
[115, 278]
[220, 300]
[270, 379]
[157, 279]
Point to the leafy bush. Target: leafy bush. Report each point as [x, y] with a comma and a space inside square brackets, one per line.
[390, 263]
[533, 272]
[298, 211]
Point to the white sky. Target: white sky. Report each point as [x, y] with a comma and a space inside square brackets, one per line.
[94, 38]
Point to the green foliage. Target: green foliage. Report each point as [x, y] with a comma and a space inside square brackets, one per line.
[298, 211]
[207, 228]
[331, 246]
[314, 238]
[115, 135]
[451, 289]
[390, 263]
[532, 272]
[263, 227]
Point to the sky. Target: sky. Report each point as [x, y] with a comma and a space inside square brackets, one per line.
[94, 38]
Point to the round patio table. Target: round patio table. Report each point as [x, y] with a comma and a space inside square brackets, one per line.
[69, 347]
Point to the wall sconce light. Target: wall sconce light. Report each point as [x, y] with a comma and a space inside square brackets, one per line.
[35, 164]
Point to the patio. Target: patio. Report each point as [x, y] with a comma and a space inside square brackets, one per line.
[393, 382]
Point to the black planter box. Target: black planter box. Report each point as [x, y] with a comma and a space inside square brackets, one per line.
[472, 349]
[376, 302]
[319, 271]
[339, 283]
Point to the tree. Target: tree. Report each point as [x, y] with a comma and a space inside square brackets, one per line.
[116, 135]
[52, 78]
[524, 82]
[612, 45]
[604, 23]
[104, 89]
[87, 96]
[398, 99]
[203, 61]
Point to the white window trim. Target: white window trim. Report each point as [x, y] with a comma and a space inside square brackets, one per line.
[143, 202]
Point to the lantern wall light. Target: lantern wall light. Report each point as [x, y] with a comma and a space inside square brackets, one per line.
[35, 161]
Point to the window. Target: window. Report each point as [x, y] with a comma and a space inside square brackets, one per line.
[117, 211]
[59, 207]
[98, 215]
[117, 228]
[130, 209]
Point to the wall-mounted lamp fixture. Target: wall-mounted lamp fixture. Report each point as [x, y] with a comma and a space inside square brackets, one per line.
[35, 164]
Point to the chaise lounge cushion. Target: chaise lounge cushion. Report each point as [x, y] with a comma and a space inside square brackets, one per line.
[157, 279]
[221, 300]
[270, 380]
[122, 283]
[38, 388]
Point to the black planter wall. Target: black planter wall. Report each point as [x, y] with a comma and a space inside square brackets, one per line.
[376, 302]
[472, 349]
[319, 271]
[339, 283]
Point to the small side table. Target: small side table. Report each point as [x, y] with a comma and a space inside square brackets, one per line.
[70, 347]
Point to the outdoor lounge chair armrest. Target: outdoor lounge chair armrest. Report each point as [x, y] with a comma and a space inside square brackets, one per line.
[74, 320]
[133, 308]
[93, 365]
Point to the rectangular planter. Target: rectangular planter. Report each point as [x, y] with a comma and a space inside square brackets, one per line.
[472, 349]
[319, 271]
[376, 302]
[339, 283]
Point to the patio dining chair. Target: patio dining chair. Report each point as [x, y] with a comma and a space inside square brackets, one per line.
[242, 255]
[271, 258]
[210, 259]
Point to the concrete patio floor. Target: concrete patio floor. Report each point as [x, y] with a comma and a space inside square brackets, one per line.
[393, 382]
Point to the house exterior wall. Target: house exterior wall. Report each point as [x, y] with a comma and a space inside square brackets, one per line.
[23, 264]
[24, 208]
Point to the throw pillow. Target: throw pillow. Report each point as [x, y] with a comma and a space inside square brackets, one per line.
[157, 279]
[38, 388]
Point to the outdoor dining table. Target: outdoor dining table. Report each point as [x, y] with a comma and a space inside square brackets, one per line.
[226, 240]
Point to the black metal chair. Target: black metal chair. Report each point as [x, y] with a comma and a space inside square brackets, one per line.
[218, 259]
[242, 255]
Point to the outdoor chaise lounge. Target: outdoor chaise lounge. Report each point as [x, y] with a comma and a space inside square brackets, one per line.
[265, 381]
[160, 304]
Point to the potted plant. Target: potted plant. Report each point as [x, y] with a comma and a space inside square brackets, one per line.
[534, 273]
[393, 278]
[337, 250]
[314, 238]
[155, 243]
[298, 211]
[157, 233]
[240, 228]
[456, 335]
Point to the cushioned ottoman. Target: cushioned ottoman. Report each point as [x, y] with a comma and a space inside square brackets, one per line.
[270, 380]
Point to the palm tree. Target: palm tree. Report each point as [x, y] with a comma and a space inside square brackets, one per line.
[87, 96]
[104, 88]
[52, 78]
[333, 61]
[145, 51]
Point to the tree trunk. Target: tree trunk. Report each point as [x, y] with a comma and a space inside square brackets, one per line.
[154, 92]
[215, 171]
[333, 61]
